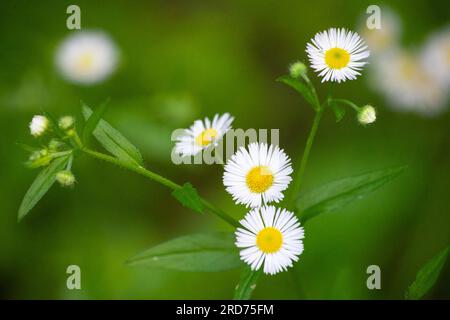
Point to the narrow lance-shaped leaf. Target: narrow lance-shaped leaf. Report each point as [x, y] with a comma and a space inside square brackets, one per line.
[113, 141]
[208, 252]
[187, 195]
[41, 185]
[247, 284]
[300, 87]
[427, 276]
[337, 194]
[93, 121]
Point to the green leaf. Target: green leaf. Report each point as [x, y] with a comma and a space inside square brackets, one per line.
[41, 185]
[300, 87]
[113, 141]
[93, 121]
[337, 194]
[247, 284]
[187, 195]
[207, 252]
[339, 111]
[427, 276]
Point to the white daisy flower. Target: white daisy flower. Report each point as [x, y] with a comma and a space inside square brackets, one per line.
[337, 54]
[38, 125]
[257, 176]
[436, 56]
[87, 57]
[203, 134]
[407, 84]
[272, 236]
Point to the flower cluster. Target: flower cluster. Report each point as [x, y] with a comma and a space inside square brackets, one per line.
[255, 176]
[258, 175]
[56, 147]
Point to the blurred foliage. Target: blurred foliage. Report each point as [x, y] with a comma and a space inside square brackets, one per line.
[185, 60]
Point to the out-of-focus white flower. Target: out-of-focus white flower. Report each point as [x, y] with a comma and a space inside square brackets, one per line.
[38, 125]
[87, 57]
[203, 134]
[367, 115]
[259, 175]
[337, 54]
[270, 236]
[408, 84]
[382, 40]
[436, 56]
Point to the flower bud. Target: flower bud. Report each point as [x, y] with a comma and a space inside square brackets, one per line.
[40, 158]
[297, 69]
[367, 114]
[35, 156]
[71, 133]
[38, 125]
[65, 178]
[55, 145]
[66, 122]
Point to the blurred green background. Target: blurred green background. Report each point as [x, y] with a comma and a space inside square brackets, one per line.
[183, 60]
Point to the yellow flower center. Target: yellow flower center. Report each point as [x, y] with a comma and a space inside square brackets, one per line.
[409, 69]
[337, 58]
[206, 137]
[269, 240]
[259, 179]
[86, 61]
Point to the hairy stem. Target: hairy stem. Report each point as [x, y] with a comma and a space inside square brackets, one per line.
[160, 179]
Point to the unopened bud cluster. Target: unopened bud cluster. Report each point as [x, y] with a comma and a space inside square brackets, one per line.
[60, 144]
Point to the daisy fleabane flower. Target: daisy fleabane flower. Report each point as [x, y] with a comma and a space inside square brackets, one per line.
[270, 236]
[203, 134]
[258, 175]
[337, 54]
[38, 125]
[87, 57]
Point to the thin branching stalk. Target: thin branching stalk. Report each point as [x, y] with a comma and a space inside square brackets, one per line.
[347, 102]
[160, 179]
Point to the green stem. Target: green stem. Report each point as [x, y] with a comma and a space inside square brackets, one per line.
[304, 160]
[313, 90]
[160, 179]
[347, 102]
